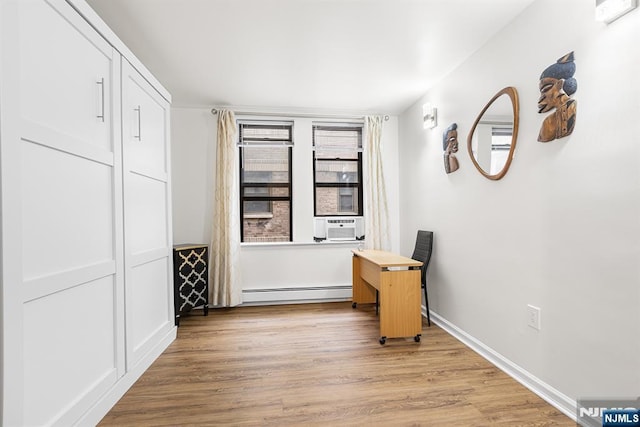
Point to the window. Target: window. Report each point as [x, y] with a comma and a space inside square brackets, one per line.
[265, 181]
[337, 169]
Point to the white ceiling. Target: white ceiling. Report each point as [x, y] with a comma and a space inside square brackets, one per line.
[366, 56]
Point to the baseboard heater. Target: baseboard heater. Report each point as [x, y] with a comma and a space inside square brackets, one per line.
[296, 295]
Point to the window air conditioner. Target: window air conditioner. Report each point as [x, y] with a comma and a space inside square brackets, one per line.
[338, 229]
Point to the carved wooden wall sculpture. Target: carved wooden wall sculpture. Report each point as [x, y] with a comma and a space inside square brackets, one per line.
[557, 84]
[450, 147]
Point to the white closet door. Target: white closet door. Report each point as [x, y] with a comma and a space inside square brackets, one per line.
[70, 184]
[147, 215]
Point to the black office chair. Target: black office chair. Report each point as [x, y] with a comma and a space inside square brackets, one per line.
[422, 252]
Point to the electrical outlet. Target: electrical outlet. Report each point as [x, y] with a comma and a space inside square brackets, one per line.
[533, 317]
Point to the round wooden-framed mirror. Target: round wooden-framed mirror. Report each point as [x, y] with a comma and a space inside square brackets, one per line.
[492, 139]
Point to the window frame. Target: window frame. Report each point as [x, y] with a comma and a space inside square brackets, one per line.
[255, 143]
[339, 185]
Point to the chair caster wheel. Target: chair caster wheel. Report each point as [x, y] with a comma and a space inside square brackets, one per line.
[417, 338]
[383, 340]
[353, 305]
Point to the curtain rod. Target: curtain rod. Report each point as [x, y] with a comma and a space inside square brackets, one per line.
[214, 111]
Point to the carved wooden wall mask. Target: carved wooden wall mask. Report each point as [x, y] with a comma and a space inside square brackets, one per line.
[557, 85]
[450, 146]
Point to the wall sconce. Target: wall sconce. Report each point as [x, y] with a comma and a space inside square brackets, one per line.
[610, 10]
[430, 116]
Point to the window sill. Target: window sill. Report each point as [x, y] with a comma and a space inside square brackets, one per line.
[347, 243]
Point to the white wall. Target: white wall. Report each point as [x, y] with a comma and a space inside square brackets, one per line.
[561, 230]
[301, 264]
[193, 158]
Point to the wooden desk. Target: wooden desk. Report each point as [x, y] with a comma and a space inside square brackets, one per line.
[397, 280]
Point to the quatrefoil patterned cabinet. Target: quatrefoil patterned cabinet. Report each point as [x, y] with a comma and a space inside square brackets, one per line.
[190, 278]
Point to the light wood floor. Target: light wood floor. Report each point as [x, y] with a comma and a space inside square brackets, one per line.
[321, 365]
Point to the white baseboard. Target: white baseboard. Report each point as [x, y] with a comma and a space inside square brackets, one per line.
[552, 396]
[296, 295]
[93, 416]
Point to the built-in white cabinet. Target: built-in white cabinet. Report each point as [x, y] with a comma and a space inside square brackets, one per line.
[87, 299]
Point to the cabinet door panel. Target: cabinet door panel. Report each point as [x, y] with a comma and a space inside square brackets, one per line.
[145, 114]
[69, 350]
[65, 74]
[147, 209]
[150, 292]
[68, 223]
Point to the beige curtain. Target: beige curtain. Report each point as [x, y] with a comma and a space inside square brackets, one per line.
[376, 212]
[224, 273]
